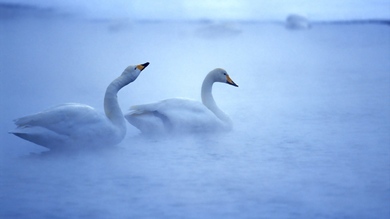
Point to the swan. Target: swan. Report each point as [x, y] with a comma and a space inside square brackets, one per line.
[180, 115]
[78, 126]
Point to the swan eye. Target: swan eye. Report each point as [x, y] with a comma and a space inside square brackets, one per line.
[224, 74]
[135, 68]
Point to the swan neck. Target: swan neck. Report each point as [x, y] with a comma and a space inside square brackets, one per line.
[209, 102]
[207, 96]
[111, 105]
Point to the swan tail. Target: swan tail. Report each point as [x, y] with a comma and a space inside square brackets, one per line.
[142, 109]
[38, 135]
[134, 110]
[24, 121]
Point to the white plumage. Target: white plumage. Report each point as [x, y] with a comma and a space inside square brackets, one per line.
[76, 126]
[179, 115]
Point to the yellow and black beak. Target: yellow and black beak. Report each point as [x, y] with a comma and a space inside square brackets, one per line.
[230, 81]
[142, 66]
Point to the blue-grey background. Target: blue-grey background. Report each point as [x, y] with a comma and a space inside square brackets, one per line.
[311, 116]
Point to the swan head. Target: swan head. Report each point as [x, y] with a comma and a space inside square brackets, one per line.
[134, 70]
[220, 75]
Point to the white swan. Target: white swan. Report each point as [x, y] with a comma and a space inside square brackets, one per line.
[179, 115]
[77, 126]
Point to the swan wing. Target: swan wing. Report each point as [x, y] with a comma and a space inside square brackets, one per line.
[66, 124]
[62, 119]
[173, 115]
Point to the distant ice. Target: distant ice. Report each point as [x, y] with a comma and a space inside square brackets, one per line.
[193, 10]
[297, 22]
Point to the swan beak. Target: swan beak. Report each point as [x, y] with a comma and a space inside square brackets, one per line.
[230, 81]
[142, 66]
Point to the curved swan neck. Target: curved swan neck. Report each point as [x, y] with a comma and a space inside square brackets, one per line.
[111, 105]
[206, 93]
[208, 99]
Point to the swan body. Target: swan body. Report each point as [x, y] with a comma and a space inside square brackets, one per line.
[74, 125]
[179, 115]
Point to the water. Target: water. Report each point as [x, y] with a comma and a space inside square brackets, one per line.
[311, 120]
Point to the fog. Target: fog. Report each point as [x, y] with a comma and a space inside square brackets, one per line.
[311, 118]
[259, 10]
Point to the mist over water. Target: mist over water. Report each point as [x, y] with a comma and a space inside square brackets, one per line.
[190, 10]
[311, 120]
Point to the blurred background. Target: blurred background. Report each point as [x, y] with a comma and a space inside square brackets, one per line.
[246, 10]
[311, 114]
